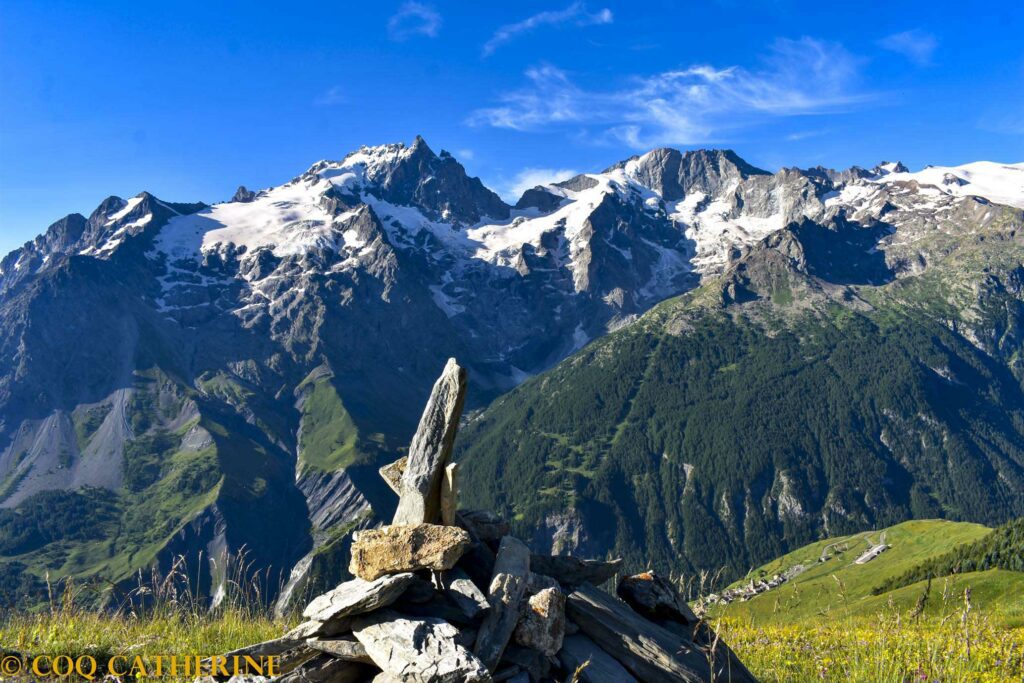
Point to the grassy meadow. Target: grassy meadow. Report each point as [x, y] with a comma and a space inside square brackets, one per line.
[825, 624]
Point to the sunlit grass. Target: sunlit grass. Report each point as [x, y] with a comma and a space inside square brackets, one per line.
[943, 638]
[952, 641]
[160, 616]
[887, 652]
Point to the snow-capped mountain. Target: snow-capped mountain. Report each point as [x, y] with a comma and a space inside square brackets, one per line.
[281, 344]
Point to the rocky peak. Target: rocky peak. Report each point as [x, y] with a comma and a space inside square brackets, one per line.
[102, 213]
[674, 174]
[539, 198]
[836, 177]
[62, 237]
[416, 176]
[887, 167]
[243, 194]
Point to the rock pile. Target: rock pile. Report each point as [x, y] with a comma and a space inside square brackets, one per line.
[448, 596]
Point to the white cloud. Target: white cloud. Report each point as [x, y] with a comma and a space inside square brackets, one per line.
[687, 106]
[916, 45]
[576, 14]
[466, 154]
[512, 190]
[330, 97]
[1008, 124]
[414, 18]
[805, 134]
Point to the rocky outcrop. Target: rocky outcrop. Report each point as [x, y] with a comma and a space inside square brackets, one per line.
[475, 606]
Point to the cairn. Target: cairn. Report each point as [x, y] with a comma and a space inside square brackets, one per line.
[448, 596]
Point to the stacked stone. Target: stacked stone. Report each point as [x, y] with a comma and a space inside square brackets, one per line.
[447, 596]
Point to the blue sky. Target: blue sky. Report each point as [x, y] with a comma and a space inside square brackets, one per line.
[189, 100]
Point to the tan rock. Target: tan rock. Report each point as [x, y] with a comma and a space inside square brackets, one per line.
[405, 548]
[450, 494]
[542, 626]
[392, 473]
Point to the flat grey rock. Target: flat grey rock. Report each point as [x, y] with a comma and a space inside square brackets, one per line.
[651, 653]
[600, 666]
[505, 596]
[325, 669]
[342, 647]
[573, 571]
[461, 590]
[421, 650]
[358, 597]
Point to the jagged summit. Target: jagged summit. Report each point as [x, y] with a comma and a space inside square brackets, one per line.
[673, 174]
[415, 176]
[301, 325]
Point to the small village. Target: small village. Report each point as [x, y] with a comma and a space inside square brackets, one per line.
[757, 586]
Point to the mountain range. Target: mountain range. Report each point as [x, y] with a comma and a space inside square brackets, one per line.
[681, 352]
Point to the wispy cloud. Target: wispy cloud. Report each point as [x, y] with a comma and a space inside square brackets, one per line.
[687, 106]
[1007, 124]
[330, 97]
[512, 190]
[412, 19]
[805, 135]
[575, 14]
[916, 45]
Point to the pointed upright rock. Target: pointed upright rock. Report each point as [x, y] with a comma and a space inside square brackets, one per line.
[431, 448]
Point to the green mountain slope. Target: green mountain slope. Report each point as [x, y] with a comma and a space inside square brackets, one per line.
[827, 582]
[1001, 549]
[800, 396]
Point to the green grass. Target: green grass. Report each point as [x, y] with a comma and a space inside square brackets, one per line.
[329, 438]
[960, 649]
[87, 420]
[837, 586]
[163, 615]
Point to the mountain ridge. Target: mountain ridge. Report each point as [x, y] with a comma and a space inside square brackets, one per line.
[270, 352]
